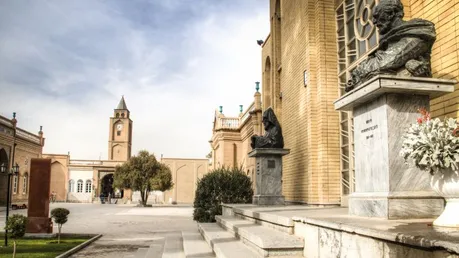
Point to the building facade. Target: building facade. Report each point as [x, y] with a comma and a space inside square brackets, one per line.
[231, 137]
[86, 180]
[306, 60]
[185, 176]
[17, 146]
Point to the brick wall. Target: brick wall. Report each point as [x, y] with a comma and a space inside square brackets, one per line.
[445, 52]
[309, 121]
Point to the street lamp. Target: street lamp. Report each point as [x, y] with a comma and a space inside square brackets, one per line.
[14, 171]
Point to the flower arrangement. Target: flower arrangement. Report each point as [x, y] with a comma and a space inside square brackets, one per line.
[432, 144]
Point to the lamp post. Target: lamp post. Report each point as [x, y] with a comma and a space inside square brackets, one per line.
[14, 171]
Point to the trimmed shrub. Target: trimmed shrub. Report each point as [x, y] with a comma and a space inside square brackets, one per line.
[60, 216]
[222, 185]
[16, 225]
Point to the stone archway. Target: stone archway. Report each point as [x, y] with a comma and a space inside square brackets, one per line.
[107, 185]
[3, 178]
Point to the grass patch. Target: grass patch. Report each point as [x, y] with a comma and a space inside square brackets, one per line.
[39, 248]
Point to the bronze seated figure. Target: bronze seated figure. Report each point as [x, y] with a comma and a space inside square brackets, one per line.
[273, 133]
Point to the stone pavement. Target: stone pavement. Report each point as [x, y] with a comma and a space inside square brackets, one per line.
[126, 228]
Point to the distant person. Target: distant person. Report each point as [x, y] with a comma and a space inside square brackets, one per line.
[52, 197]
[101, 196]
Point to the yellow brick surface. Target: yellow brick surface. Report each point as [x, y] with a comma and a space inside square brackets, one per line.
[445, 57]
[308, 43]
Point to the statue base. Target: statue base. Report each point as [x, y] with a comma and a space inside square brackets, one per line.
[268, 178]
[383, 109]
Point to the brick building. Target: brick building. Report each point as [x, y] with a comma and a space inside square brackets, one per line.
[27, 146]
[84, 181]
[230, 140]
[306, 61]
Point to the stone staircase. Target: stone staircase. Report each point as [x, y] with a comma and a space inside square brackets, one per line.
[237, 235]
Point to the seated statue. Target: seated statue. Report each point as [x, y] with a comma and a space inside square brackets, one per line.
[404, 46]
[273, 133]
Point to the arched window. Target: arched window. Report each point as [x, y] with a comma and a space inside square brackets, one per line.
[71, 186]
[15, 184]
[25, 183]
[117, 115]
[122, 115]
[266, 87]
[88, 186]
[80, 186]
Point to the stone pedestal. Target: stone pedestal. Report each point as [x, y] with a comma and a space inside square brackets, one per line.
[268, 180]
[383, 109]
[39, 191]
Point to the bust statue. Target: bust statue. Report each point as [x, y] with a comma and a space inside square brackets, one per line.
[404, 46]
[273, 132]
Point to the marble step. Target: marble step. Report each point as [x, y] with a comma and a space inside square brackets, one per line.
[223, 243]
[195, 246]
[265, 241]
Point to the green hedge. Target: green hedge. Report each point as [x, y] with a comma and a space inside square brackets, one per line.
[222, 185]
[16, 226]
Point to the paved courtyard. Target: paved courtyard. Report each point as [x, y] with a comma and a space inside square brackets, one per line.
[125, 228]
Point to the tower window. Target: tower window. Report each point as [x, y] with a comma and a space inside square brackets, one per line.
[118, 133]
[122, 115]
[117, 115]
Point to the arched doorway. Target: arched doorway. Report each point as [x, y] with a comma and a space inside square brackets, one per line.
[3, 178]
[107, 187]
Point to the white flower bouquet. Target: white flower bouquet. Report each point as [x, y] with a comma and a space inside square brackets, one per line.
[431, 144]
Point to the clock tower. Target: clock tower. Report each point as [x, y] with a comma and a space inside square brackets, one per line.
[120, 136]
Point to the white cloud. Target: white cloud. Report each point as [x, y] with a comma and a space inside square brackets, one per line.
[66, 64]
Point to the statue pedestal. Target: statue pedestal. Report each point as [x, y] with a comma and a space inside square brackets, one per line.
[383, 109]
[268, 180]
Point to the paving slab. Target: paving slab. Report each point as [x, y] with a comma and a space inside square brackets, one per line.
[141, 253]
[173, 246]
[156, 248]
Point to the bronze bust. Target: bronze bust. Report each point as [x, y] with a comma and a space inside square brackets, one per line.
[273, 133]
[404, 47]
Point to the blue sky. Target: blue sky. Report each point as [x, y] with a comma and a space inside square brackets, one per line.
[64, 64]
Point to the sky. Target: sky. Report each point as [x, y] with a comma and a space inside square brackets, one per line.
[64, 65]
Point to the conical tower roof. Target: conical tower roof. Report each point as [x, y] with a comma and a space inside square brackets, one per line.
[122, 104]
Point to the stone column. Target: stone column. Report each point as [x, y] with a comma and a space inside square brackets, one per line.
[268, 180]
[383, 109]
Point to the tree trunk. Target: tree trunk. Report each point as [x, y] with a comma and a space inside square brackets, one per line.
[146, 197]
[59, 234]
[14, 249]
[142, 197]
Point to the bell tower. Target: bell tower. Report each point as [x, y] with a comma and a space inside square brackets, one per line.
[120, 136]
